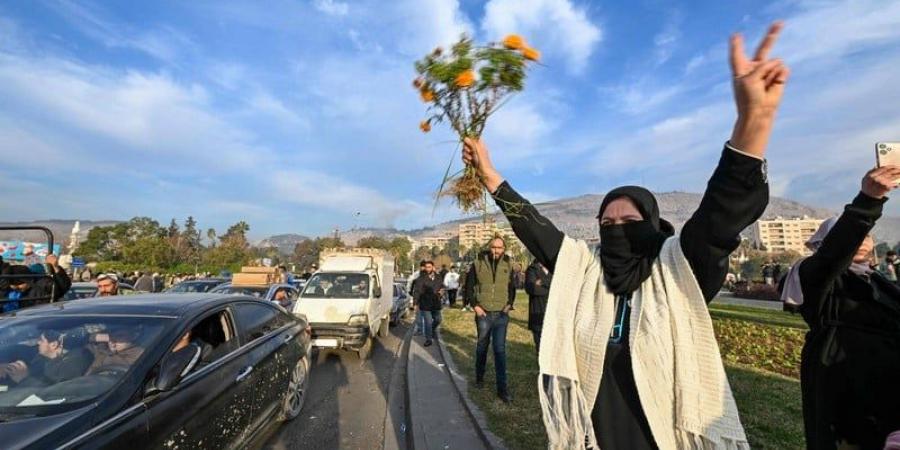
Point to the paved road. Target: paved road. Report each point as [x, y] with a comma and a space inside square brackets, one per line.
[348, 401]
[728, 299]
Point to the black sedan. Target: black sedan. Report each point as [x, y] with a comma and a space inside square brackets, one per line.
[149, 371]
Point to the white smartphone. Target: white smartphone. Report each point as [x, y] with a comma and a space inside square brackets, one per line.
[888, 154]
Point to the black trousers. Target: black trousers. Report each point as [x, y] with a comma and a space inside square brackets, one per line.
[451, 296]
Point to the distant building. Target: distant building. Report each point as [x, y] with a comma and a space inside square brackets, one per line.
[433, 241]
[477, 234]
[779, 234]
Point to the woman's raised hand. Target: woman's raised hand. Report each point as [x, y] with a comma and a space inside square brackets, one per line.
[476, 154]
[758, 88]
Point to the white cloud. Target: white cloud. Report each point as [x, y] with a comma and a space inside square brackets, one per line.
[163, 43]
[828, 31]
[554, 26]
[332, 7]
[640, 96]
[665, 41]
[320, 190]
[422, 25]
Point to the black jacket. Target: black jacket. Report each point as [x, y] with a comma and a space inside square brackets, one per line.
[427, 292]
[537, 294]
[851, 358]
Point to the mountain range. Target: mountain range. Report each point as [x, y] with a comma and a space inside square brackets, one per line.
[575, 216]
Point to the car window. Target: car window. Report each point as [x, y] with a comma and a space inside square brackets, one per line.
[255, 320]
[53, 364]
[213, 335]
[337, 285]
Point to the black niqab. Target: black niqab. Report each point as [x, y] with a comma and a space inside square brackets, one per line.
[627, 251]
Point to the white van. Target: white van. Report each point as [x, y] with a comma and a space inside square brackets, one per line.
[348, 300]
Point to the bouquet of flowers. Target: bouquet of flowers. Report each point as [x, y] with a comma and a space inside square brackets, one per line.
[463, 87]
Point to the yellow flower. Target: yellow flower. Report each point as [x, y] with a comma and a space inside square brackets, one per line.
[427, 95]
[425, 126]
[514, 42]
[465, 79]
[531, 54]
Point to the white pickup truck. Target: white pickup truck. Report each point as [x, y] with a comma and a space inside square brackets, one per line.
[348, 300]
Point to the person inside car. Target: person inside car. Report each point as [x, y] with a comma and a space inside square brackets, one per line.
[116, 349]
[53, 363]
[107, 285]
[31, 290]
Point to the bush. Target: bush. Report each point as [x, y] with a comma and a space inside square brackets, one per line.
[756, 291]
[772, 348]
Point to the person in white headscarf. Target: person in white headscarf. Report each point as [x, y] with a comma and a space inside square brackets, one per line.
[850, 364]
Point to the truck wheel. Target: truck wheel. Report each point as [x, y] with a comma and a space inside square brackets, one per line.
[366, 349]
[385, 327]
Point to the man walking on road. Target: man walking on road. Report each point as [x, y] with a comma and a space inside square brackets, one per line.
[537, 285]
[451, 282]
[491, 290]
[410, 289]
[429, 288]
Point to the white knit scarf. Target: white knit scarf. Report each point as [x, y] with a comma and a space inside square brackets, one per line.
[675, 359]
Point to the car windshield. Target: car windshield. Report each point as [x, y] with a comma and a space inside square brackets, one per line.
[78, 292]
[192, 286]
[253, 291]
[337, 285]
[49, 365]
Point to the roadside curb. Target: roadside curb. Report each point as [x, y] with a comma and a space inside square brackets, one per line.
[462, 388]
[390, 441]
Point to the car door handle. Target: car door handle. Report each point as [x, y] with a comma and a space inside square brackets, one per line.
[244, 374]
[288, 337]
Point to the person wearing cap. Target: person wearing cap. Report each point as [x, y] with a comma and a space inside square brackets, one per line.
[25, 289]
[107, 285]
[628, 357]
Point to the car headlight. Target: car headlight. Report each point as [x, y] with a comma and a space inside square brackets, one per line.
[358, 319]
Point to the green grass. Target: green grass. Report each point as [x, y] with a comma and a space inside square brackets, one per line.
[769, 403]
[758, 315]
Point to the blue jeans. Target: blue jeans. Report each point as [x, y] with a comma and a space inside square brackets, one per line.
[430, 321]
[492, 327]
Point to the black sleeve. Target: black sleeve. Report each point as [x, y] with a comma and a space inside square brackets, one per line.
[469, 288]
[536, 232]
[530, 279]
[736, 195]
[819, 272]
[62, 281]
[415, 290]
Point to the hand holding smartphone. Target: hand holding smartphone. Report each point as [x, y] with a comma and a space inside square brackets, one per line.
[888, 154]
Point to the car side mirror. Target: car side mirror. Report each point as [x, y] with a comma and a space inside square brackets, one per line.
[175, 366]
[377, 291]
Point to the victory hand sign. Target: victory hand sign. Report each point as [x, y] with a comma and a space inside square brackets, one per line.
[758, 88]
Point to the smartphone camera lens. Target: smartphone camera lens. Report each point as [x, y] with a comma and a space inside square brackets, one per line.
[882, 146]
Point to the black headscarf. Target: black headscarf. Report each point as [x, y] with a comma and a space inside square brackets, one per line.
[627, 251]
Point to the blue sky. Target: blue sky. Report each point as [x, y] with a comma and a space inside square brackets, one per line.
[298, 116]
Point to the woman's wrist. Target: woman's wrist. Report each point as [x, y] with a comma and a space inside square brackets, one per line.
[751, 133]
[491, 180]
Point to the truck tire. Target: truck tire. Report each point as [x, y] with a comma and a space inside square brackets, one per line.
[385, 327]
[365, 350]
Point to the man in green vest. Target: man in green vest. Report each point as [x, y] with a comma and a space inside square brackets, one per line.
[492, 291]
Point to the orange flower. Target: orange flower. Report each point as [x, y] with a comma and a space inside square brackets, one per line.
[514, 42]
[427, 95]
[418, 82]
[425, 126]
[465, 79]
[531, 54]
